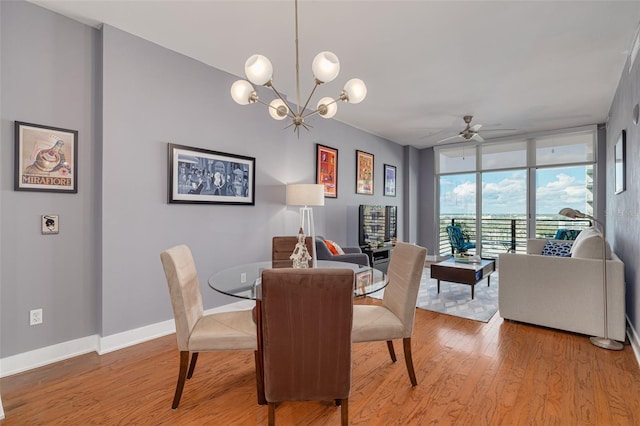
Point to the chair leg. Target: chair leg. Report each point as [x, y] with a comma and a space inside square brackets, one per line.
[259, 379]
[409, 361]
[192, 365]
[272, 414]
[184, 361]
[344, 412]
[392, 353]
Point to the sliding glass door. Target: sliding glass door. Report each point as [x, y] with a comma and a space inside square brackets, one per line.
[457, 207]
[504, 212]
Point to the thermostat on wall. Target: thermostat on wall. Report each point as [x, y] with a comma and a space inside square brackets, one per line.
[49, 223]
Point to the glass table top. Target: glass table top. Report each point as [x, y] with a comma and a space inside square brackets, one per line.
[243, 281]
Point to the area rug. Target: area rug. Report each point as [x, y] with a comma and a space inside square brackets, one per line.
[455, 299]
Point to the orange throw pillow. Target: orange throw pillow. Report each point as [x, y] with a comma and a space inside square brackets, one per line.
[331, 247]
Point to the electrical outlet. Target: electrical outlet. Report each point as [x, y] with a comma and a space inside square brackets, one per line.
[243, 278]
[35, 316]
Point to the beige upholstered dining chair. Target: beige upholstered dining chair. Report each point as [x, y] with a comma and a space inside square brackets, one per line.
[195, 331]
[306, 318]
[394, 319]
[282, 247]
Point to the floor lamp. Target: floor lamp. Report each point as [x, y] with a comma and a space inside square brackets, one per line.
[602, 342]
[306, 194]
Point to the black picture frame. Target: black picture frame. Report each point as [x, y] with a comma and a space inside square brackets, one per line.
[390, 180]
[327, 170]
[365, 163]
[202, 176]
[620, 154]
[46, 158]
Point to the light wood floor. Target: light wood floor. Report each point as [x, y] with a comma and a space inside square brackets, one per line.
[469, 373]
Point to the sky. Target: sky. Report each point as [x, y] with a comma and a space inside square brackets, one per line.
[505, 192]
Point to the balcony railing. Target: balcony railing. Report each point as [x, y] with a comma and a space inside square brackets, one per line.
[502, 235]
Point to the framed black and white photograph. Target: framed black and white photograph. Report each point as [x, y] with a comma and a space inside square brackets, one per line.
[45, 158]
[389, 180]
[620, 156]
[49, 224]
[198, 175]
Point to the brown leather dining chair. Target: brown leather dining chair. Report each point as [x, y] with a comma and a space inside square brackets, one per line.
[195, 331]
[282, 247]
[304, 330]
[394, 319]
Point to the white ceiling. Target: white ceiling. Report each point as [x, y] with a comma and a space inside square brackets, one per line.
[524, 65]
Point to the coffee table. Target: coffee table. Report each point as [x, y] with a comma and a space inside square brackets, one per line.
[463, 273]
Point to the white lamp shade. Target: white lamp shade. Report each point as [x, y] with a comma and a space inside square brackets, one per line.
[278, 110]
[305, 194]
[241, 91]
[356, 90]
[330, 104]
[258, 69]
[325, 67]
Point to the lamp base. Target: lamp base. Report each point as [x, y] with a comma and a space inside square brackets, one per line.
[605, 343]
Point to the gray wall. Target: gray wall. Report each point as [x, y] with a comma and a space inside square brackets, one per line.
[128, 98]
[428, 222]
[411, 167]
[49, 76]
[623, 220]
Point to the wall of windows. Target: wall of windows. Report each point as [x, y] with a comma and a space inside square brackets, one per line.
[503, 192]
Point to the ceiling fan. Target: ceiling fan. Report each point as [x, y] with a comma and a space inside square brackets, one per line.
[470, 132]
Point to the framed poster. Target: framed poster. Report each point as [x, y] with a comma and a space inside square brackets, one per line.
[327, 170]
[620, 156]
[364, 279]
[364, 173]
[45, 158]
[389, 180]
[199, 175]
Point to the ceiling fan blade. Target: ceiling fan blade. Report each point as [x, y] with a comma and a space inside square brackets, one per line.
[447, 139]
[476, 127]
[477, 137]
[499, 130]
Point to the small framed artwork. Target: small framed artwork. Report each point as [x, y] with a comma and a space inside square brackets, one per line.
[364, 279]
[49, 224]
[389, 180]
[202, 176]
[327, 170]
[364, 173]
[620, 157]
[45, 158]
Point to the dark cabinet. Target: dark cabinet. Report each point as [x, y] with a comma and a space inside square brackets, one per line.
[379, 258]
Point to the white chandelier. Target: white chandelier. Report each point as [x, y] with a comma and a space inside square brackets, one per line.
[325, 67]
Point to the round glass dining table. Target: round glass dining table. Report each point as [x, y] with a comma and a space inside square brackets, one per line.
[243, 281]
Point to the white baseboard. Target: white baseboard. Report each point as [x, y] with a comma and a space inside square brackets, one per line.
[634, 339]
[48, 355]
[39, 357]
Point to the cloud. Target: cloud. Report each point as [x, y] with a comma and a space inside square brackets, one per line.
[507, 194]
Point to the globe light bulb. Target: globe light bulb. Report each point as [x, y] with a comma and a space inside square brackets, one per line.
[327, 107]
[325, 67]
[278, 110]
[242, 91]
[356, 90]
[258, 69]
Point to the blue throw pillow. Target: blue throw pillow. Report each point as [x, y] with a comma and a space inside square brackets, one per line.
[557, 249]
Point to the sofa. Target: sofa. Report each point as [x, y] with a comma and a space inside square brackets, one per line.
[351, 254]
[564, 293]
